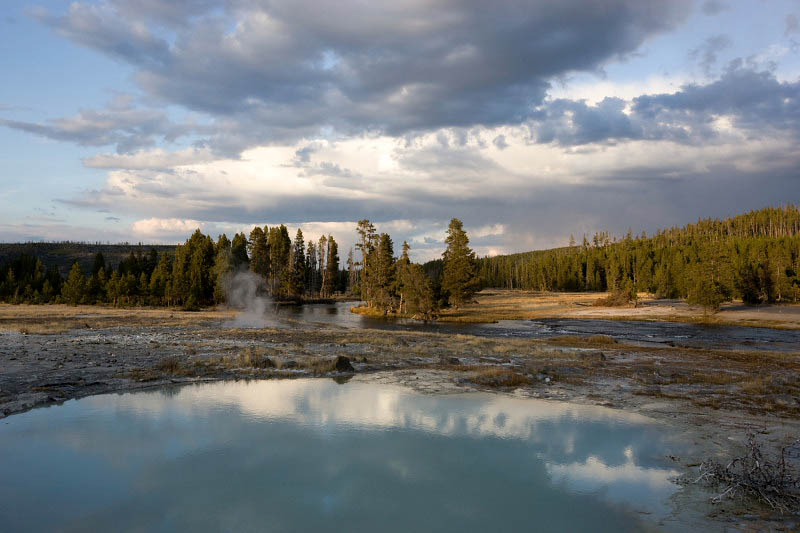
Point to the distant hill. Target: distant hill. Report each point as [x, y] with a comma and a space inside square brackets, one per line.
[64, 254]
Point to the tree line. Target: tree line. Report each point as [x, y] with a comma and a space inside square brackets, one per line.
[199, 270]
[754, 257]
[195, 275]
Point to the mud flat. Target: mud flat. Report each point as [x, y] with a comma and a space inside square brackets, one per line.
[50, 354]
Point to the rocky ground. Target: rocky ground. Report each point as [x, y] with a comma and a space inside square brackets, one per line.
[51, 354]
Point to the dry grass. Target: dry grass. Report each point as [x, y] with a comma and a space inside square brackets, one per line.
[37, 328]
[500, 378]
[249, 357]
[372, 338]
[171, 365]
[52, 319]
[491, 305]
[594, 340]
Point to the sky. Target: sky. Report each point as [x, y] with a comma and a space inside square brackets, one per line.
[140, 121]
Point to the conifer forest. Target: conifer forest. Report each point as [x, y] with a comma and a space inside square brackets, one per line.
[754, 257]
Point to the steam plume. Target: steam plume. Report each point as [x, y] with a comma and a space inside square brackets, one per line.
[247, 293]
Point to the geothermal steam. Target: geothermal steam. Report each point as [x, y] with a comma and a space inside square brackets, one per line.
[247, 293]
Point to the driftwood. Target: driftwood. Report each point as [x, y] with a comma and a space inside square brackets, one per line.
[774, 481]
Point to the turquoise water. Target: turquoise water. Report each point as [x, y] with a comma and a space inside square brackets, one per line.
[311, 455]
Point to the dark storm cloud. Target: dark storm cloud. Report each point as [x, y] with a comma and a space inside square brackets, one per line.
[571, 123]
[277, 70]
[755, 101]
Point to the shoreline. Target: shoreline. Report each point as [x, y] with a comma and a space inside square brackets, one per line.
[718, 435]
[713, 397]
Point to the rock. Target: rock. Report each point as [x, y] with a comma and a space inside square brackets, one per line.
[597, 356]
[449, 360]
[343, 364]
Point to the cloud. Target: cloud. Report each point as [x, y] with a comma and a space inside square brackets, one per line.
[157, 158]
[745, 99]
[500, 142]
[319, 114]
[527, 195]
[571, 123]
[714, 7]
[269, 71]
[120, 124]
[753, 100]
[792, 25]
[101, 27]
[706, 54]
[160, 228]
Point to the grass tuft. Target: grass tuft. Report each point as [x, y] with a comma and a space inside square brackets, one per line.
[500, 377]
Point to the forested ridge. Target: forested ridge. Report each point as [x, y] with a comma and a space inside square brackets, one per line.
[754, 257]
[65, 253]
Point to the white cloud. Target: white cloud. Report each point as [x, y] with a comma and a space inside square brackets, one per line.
[150, 159]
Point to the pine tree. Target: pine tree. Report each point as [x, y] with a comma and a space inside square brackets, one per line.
[239, 251]
[312, 273]
[382, 274]
[113, 288]
[459, 279]
[403, 282]
[366, 245]
[223, 266]
[74, 288]
[99, 263]
[322, 257]
[280, 246]
[297, 271]
[414, 288]
[331, 267]
[259, 253]
[160, 278]
[352, 274]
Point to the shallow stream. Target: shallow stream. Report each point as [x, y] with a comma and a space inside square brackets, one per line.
[635, 331]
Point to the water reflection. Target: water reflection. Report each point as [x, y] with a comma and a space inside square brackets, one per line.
[311, 454]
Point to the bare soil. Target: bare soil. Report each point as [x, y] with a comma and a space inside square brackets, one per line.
[49, 354]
